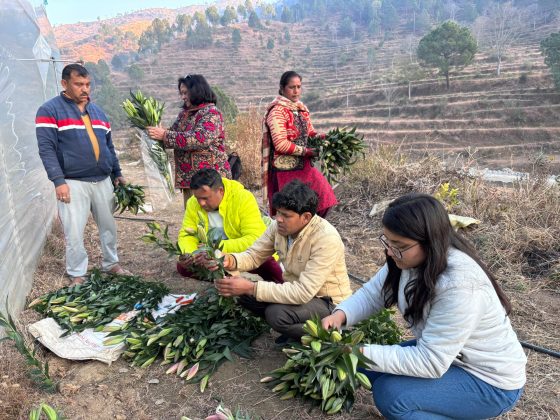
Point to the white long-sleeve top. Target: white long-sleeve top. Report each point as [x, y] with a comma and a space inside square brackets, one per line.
[465, 325]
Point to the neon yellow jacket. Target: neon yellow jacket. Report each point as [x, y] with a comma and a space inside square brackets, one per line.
[243, 223]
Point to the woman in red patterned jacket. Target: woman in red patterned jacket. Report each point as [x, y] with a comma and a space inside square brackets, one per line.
[285, 155]
[197, 135]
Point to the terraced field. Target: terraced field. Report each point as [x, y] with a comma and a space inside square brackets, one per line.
[509, 120]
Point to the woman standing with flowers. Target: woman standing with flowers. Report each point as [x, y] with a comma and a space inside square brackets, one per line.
[197, 136]
[285, 155]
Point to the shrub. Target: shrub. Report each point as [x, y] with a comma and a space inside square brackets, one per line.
[135, 72]
[270, 44]
[518, 117]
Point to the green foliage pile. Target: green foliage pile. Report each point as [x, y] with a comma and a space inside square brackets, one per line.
[196, 340]
[340, 149]
[129, 197]
[380, 328]
[323, 369]
[98, 301]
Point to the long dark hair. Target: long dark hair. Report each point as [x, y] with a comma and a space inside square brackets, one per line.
[424, 219]
[200, 91]
[285, 79]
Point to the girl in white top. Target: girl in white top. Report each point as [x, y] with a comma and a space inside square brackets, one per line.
[466, 361]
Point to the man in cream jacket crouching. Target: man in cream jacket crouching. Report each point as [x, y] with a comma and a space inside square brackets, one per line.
[312, 253]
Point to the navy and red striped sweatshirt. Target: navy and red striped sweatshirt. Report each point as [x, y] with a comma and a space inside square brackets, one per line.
[65, 147]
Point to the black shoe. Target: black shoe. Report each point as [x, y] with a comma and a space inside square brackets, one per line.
[283, 341]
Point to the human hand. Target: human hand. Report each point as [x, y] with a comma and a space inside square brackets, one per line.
[311, 153]
[229, 262]
[63, 193]
[156, 133]
[185, 260]
[337, 319]
[120, 180]
[234, 286]
[202, 258]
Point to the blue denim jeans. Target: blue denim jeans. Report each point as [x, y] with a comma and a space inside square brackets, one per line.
[456, 395]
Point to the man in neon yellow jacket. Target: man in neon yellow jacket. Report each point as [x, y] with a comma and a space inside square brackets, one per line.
[230, 208]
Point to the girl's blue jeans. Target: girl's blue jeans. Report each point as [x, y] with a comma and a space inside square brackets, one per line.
[456, 395]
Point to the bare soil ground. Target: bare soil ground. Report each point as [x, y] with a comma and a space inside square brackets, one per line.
[91, 390]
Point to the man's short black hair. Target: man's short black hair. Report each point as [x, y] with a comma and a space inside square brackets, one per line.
[296, 196]
[75, 67]
[206, 177]
[200, 91]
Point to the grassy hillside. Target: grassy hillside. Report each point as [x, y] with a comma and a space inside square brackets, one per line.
[510, 120]
[87, 40]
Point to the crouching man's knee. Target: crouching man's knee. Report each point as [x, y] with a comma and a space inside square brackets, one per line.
[280, 318]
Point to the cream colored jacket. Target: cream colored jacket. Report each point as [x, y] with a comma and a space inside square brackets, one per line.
[314, 264]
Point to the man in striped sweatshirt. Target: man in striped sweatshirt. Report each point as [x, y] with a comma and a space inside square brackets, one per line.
[74, 139]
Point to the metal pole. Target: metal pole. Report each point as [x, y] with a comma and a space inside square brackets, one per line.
[53, 61]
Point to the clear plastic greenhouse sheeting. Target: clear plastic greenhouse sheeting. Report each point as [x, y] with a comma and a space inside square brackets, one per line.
[28, 77]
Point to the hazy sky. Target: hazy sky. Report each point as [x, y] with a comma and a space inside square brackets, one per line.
[71, 11]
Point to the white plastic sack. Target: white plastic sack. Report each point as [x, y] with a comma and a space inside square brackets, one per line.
[88, 344]
[85, 345]
[162, 189]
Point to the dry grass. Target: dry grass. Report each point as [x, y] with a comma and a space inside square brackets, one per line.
[520, 233]
[244, 136]
[16, 390]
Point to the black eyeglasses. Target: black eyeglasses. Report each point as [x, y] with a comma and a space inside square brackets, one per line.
[396, 251]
